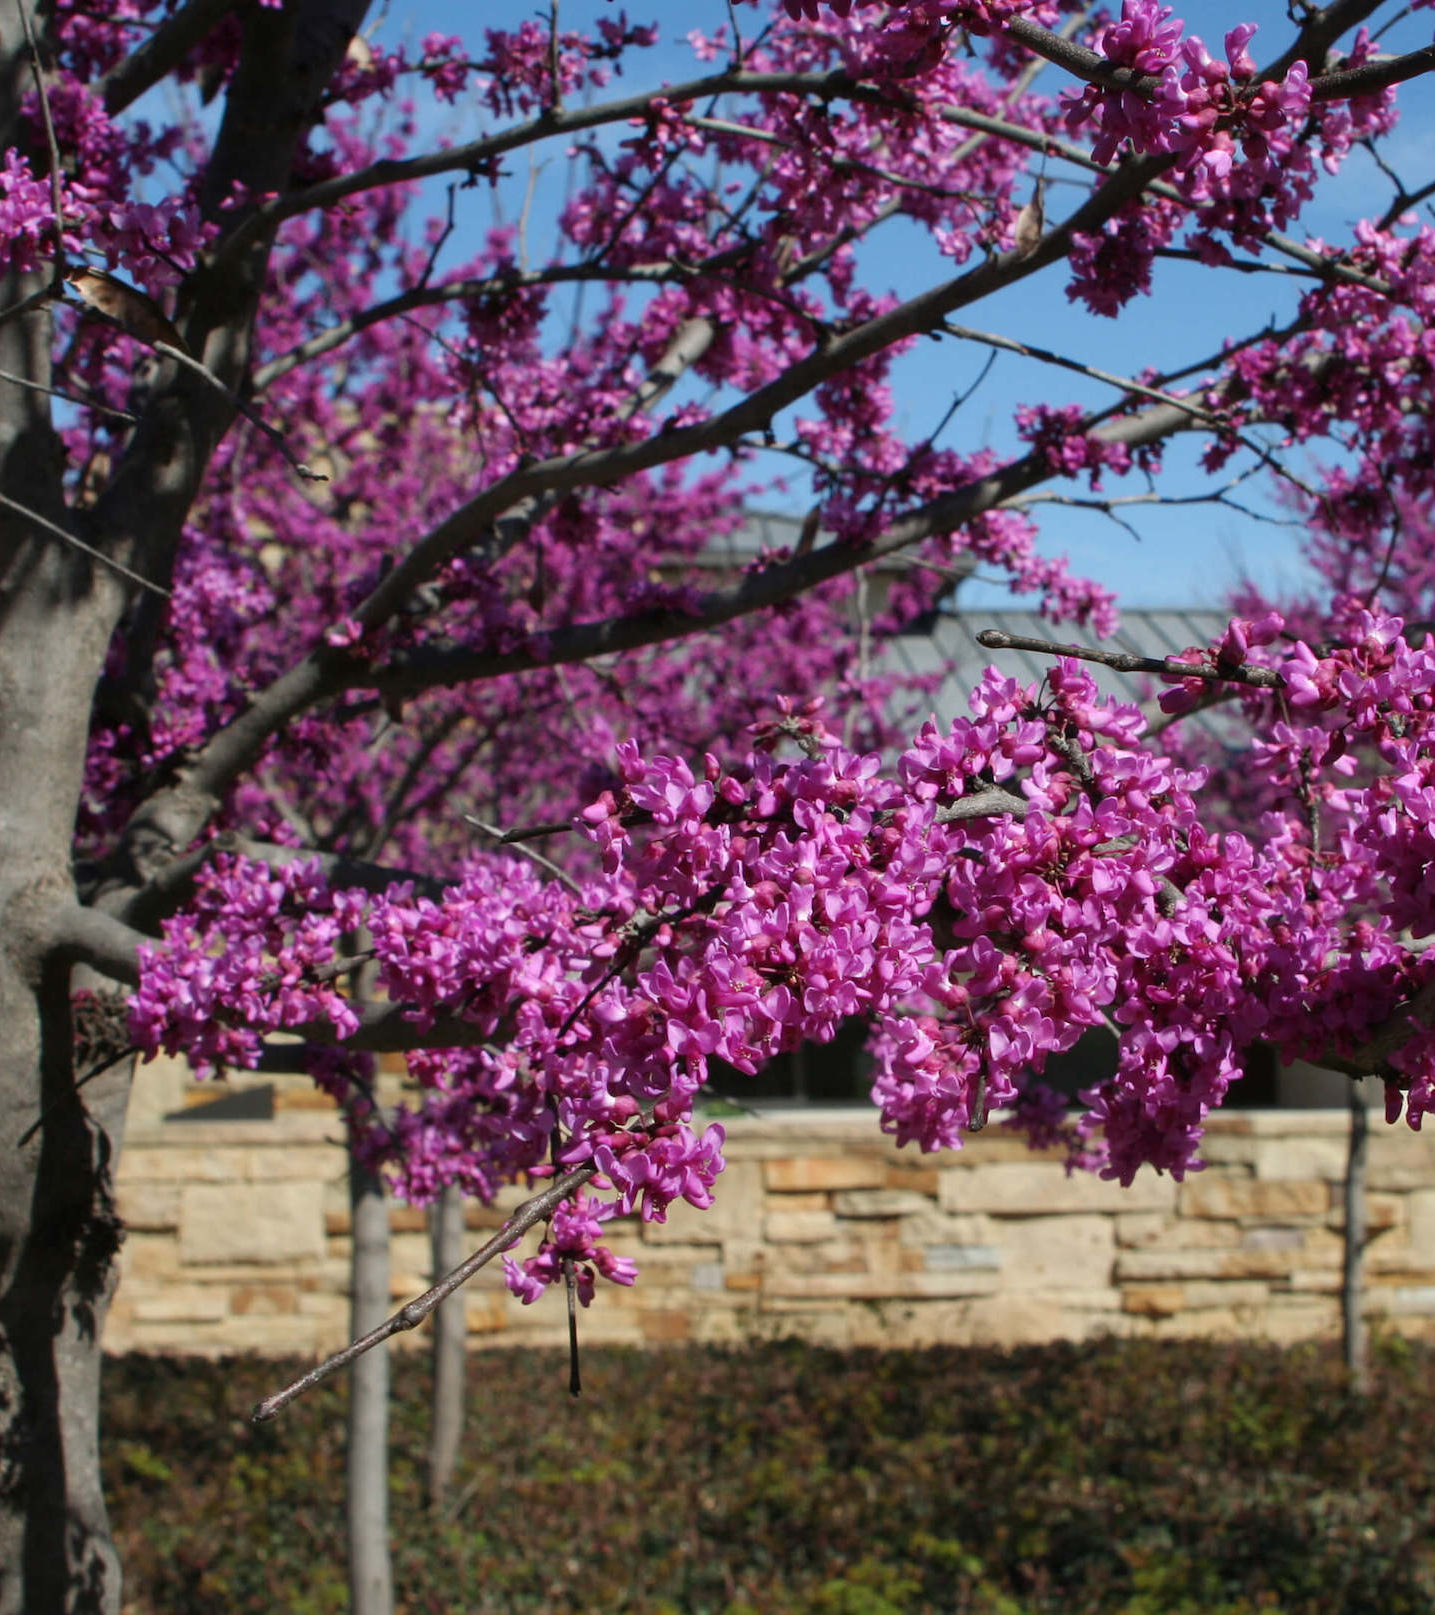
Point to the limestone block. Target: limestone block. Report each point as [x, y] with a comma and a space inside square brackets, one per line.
[844, 1255]
[1401, 1159]
[242, 1222]
[1302, 1320]
[708, 1276]
[149, 1257]
[1216, 1323]
[816, 1201]
[1153, 1230]
[917, 1180]
[182, 1303]
[151, 1206]
[270, 1300]
[666, 1260]
[412, 1253]
[275, 1161]
[1208, 1196]
[811, 1172]
[483, 1314]
[1230, 1149]
[1381, 1211]
[946, 1228]
[1141, 1266]
[827, 1327]
[273, 1337]
[881, 1203]
[958, 1258]
[880, 1286]
[1420, 1212]
[744, 1255]
[1301, 1158]
[1323, 1246]
[141, 1163]
[1034, 1319]
[1056, 1253]
[736, 1212]
[1389, 1252]
[1407, 1298]
[1204, 1294]
[720, 1329]
[1137, 1228]
[995, 1144]
[1040, 1188]
[799, 1227]
[329, 1310]
[1274, 1239]
[662, 1326]
[1154, 1300]
[1313, 1281]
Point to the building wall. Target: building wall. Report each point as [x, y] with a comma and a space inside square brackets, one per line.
[239, 1241]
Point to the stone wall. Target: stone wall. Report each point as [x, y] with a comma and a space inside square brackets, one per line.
[239, 1241]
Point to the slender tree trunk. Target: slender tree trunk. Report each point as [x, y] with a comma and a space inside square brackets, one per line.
[449, 1340]
[371, 1581]
[1352, 1284]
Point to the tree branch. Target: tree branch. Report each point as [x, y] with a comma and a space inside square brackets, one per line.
[412, 1314]
[1260, 678]
[91, 937]
[173, 886]
[161, 53]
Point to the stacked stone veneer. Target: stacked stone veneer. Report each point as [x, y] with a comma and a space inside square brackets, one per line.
[239, 1241]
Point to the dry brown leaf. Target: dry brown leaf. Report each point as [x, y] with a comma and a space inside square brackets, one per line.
[1031, 223]
[126, 305]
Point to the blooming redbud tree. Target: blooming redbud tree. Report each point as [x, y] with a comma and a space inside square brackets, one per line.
[332, 519]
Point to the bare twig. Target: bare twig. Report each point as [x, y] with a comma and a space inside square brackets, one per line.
[57, 274]
[72, 1094]
[78, 543]
[531, 853]
[409, 1316]
[69, 397]
[248, 411]
[1261, 678]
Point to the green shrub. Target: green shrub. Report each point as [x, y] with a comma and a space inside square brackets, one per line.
[1132, 1478]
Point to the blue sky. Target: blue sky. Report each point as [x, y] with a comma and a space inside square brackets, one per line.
[1192, 555]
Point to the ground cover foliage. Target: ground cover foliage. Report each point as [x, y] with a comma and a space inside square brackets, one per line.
[1134, 1477]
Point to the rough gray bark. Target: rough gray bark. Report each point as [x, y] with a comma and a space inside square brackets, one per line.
[449, 1334]
[1352, 1281]
[58, 612]
[371, 1582]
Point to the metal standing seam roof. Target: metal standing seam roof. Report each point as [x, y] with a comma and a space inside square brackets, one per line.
[950, 639]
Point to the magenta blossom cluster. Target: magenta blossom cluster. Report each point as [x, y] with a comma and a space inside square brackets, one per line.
[1028, 872]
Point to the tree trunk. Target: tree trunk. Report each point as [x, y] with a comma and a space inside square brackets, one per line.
[371, 1581]
[449, 1340]
[58, 1227]
[58, 1237]
[1352, 1283]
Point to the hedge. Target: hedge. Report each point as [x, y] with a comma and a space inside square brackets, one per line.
[1179, 1478]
